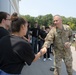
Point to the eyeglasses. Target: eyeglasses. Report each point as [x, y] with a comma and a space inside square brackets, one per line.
[8, 19]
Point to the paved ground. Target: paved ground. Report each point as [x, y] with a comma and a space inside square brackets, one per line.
[42, 68]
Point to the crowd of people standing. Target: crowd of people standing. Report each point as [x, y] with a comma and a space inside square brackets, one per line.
[15, 51]
[20, 44]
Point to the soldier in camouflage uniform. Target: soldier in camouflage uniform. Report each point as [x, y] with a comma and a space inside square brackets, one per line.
[61, 37]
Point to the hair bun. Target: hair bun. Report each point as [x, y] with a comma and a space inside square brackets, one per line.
[14, 19]
[14, 16]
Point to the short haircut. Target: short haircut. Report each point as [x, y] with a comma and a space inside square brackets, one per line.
[58, 16]
[3, 15]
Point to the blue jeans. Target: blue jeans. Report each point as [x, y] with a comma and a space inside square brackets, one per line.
[4, 73]
[34, 44]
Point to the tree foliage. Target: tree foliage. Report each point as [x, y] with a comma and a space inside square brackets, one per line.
[47, 20]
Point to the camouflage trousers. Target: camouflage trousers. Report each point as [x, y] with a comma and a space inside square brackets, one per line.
[67, 57]
[75, 45]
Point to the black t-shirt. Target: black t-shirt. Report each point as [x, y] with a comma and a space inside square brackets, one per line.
[43, 34]
[35, 32]
[3, 32]
[14, 52]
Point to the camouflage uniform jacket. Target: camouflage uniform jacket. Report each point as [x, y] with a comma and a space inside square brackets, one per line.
[58, 37]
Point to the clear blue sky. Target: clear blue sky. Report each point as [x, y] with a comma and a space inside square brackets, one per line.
[35, 8]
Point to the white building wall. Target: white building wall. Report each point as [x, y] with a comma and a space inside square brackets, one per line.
[9, 6]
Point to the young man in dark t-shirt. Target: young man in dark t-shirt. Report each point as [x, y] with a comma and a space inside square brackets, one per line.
[4, 22]
[35, 34]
